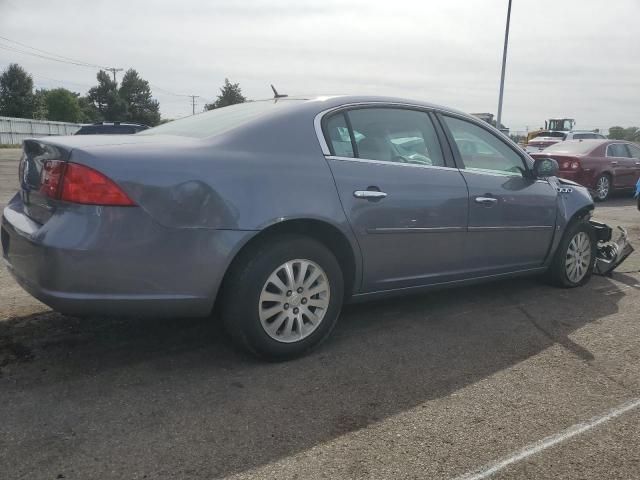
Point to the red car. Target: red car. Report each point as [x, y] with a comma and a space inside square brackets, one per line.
[600, 165]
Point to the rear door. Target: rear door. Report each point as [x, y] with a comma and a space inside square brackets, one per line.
[511, 216]
[622, 165]
[404, 199]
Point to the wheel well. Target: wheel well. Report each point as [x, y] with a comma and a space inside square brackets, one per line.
[580, 214]
[325, 233]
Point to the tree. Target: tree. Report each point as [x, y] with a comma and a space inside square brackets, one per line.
[632, 134]
[40, 111]
[89, 113]
[116, 108]
[616, 133]
[63, 106]
[230, 94]
[106, 98]
[136, 93]
[16, 92]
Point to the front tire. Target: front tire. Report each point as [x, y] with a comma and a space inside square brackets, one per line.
[283, 297]
[573, 262]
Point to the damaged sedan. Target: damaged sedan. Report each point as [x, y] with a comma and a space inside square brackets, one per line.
[274, 213]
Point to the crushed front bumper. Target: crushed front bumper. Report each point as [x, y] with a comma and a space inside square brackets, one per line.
[610, 253]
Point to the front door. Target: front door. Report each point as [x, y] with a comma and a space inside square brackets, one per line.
[622, 165]
[406, 205]
[634, 150]
[511, 216]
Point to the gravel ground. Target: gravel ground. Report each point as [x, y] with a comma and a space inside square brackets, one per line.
[430, 386]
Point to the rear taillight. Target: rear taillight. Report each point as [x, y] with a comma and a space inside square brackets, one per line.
[79, 184]
[569, 165]
[51, 180]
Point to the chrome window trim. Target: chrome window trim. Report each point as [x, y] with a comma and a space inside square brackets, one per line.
[514, 175]
[317, 124]
[502, 175]
[386, 162]
[415, 165]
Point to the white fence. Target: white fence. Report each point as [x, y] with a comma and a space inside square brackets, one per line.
[14, 130]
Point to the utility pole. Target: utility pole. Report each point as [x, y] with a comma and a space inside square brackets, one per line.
[504, 64]
[113, 70]
[193, 103]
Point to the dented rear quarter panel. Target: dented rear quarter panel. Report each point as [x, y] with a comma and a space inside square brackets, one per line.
[243, 180]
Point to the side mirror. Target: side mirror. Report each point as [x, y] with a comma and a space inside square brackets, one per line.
[545, 167]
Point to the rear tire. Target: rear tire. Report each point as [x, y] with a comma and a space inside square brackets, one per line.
[573, 262]
[603, 188]
[282, 298]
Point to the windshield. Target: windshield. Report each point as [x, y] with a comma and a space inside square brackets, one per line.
[573, 147]
[219, 120]
[562, 124]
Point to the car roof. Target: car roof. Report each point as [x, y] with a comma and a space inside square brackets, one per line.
[325, 102]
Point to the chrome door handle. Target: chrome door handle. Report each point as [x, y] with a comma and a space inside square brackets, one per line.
[486, 200]
[614, 163]
[637, 163]
[369, 194]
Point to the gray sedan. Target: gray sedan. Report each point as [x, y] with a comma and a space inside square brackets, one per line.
[274, 213]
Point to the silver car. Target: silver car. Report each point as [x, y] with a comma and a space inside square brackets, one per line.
[274, 213]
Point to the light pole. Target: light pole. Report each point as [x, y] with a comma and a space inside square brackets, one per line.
[504, 64]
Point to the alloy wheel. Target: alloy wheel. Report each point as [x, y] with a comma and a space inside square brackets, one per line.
[294, 300]
[578, 257]
[602, 187]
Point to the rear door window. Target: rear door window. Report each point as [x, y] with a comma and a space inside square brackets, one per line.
[395, 135]
[618, 150]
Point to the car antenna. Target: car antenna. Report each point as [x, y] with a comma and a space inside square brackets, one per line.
[277, 95]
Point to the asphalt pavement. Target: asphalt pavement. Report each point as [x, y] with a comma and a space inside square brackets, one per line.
[513, 379]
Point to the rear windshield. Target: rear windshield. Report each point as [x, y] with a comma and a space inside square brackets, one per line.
[573, 146]
[547, 133]
[108, 130]
[219, 120]
[586, 136]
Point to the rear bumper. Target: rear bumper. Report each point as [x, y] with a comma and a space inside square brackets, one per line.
[581, 177]
[91, 260]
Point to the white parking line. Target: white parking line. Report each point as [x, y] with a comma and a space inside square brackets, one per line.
[549, 441]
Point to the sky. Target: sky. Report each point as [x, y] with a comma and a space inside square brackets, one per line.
[566, 58]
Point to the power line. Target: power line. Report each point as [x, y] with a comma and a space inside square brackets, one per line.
[51, 53]
[46, 57]
[167, 91]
